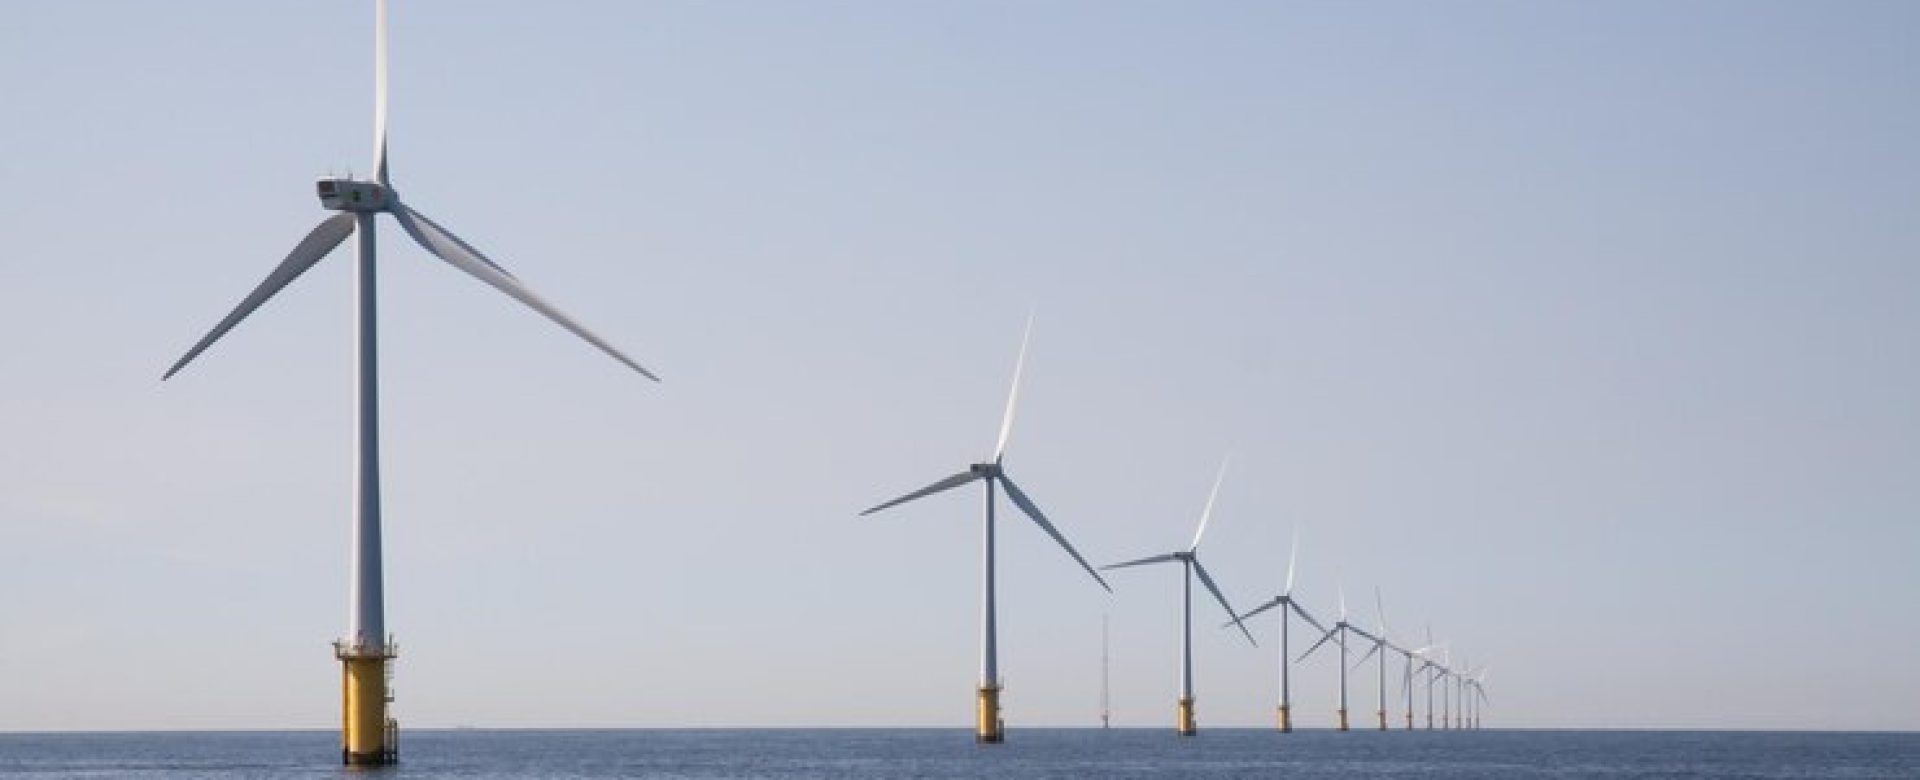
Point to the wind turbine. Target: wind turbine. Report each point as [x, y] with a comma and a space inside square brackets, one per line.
[1380, 644]
[988, 726]
[1190, 565]
[1479, 685]
[1339, 631]
[369, 736]
[1287, 603]
[1427, 664]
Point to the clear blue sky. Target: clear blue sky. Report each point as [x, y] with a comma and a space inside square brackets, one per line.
[1586, 331]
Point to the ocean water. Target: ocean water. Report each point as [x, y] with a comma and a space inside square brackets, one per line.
[950, 753]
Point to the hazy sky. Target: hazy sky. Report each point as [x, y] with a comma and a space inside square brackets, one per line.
[1585, 331]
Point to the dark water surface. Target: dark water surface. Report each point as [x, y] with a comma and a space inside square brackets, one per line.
[950, 753]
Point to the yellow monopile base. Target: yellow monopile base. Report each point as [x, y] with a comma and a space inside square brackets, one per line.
[1383, 719]
[1183, 722]
[1286, 718]
[367, 735]
[1343, 719]
[987, 726]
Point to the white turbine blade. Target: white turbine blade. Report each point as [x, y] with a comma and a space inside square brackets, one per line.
[1143, 561]
[1277, 601]
[1013, 395]
[1380, 609]
[1298, 610]
[1293, 555]
[459, 254]
[380, 90]
[1222, 598]
[949, 483]
[321, 240]
[1363, 633]
[1208, 512]
[1323, 640]
[1342, 590]
[1021, 500]
[1363, 659]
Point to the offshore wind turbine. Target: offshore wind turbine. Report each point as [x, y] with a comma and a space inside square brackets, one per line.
[988, 725]
[1189, 560]
[1380, 644]
[1339, 631]
[369, 735]
[1288, 605]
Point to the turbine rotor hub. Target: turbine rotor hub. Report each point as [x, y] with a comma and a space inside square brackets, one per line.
[341, 194]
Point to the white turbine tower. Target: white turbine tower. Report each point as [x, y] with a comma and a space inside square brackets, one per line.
[1287, 604]
[1190, 562]
[369, 736]
[988, 727]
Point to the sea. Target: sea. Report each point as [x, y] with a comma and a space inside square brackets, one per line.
[951, 753]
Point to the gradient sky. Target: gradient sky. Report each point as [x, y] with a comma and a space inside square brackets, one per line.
[1585, 331]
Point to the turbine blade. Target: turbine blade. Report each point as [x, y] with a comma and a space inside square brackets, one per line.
[1363, 633]
[1323, 640]
[1208, 512]
[1013, 395]
[459, 254]
[1222, 598]
[1277, 601]
[1380, 609]
[319, 241]
[1343, 603]
[1021, 500]
[1143, 561]
[1293, 555]
[949, 483]
[1304, 616]
[1363, 659]
[380, 91]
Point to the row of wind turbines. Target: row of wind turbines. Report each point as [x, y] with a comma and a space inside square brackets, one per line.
[1462, 689]
[369, 735]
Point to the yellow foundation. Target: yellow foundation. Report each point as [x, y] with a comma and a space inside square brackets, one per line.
[1286, 718]
[1343, 719]
[367, 735]
[987, 725]
[1383, 719]
[1184, 722]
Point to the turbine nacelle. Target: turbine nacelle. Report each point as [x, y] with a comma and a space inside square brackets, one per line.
[986, 470]
[351, 195]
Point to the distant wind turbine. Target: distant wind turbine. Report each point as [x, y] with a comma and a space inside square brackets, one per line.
[369, 736]
[988, 725]
[1189, 560]
[1288, 605]
[1339, 632]
[1380, 645]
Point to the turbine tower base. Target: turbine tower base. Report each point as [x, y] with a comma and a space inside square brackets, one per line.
[368, 737]
[988, 727]
[1409, 721]
[1286, 719]
[1343, 719]
[1184, 723]
[1383, 719]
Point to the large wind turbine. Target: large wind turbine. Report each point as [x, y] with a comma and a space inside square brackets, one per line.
[1339, 632]
[369, 736]
[1288, 605]
[988, 726]
[1190, 564]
